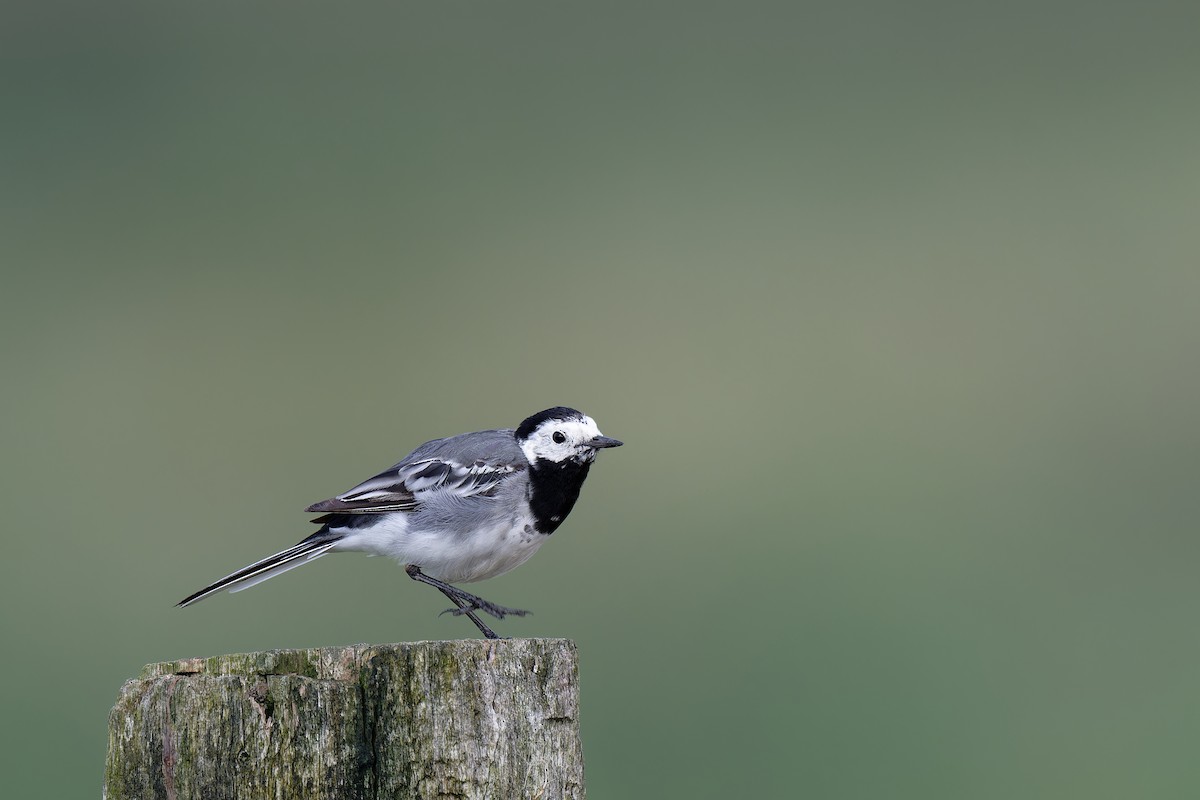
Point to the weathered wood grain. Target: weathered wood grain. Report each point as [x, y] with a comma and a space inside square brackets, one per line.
[453, 719]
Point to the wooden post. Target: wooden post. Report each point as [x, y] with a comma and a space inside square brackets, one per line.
[455, 719]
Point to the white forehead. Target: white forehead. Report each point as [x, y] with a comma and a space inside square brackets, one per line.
[576, 428]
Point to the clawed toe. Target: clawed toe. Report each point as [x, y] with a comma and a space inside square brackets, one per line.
[499, 612]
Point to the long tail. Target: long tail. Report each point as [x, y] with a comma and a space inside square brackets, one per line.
[298, 555]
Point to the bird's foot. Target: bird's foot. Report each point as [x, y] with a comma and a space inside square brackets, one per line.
[473, 603]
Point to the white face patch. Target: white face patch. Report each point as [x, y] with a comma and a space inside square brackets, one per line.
[575, 435]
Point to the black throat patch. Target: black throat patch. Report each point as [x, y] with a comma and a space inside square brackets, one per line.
[553, 490]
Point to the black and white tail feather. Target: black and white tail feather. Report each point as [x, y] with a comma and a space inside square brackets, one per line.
[297, 555]
[460, 509]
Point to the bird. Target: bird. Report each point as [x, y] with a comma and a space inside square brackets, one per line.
[455, 510]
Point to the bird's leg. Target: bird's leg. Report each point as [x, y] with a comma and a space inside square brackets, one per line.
[465, 602]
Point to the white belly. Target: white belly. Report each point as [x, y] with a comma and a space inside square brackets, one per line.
[451, 556]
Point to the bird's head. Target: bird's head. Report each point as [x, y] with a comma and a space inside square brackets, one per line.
[561, 434]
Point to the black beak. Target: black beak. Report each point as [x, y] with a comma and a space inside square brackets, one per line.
[604, 441]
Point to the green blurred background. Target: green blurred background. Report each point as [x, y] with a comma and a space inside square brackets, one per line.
[896, 306]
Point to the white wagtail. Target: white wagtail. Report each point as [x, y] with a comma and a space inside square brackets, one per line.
[459, 509]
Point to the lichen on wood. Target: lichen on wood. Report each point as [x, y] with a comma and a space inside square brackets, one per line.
[454, 719]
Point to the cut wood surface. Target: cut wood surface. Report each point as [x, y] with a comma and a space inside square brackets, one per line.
[453, 719]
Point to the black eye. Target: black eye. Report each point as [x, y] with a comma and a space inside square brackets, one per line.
[559, 437]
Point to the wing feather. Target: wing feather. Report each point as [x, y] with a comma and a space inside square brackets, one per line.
[402, 487]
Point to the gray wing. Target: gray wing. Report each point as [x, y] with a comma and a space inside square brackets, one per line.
[468, 465]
